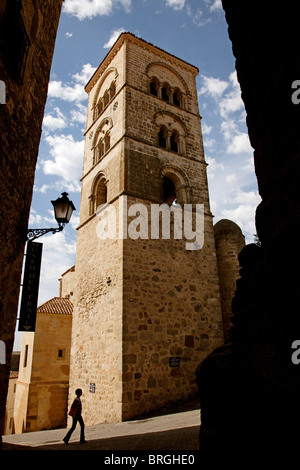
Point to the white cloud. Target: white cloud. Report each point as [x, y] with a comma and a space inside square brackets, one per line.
[232, 101]
[68, 93]
[90, 8]
[113, 37]
[58, 256]
[68, 35]
[52, 123]
[78, 116]
[214, 167]
[206, 129]
[214, 5]
[231, 178]
[239, 144]
[74, 92]
[67, 156]
[213, 87]
[34, 218]
[176, 4]
[85, 74]
[197, 16]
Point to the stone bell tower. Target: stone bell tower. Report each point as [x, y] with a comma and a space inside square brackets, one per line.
[148, 305]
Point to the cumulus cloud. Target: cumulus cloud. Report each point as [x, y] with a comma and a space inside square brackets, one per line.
[113, 37]
[176, 4]
[239, 144]
[67, 156]
[73, 92]
[197, 16]
[85, 74]
[213, 87]
[83, 9]
[68, 93]
[52, 123]
[58, 256]
[214, 5]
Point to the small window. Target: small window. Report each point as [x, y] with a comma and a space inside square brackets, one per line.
[162, 140]
[60, 354]
[169, 191]
[154, 87]
[165, 93]
[25, 356]
[174, 141]
[107, 141]
[112, 90]
[176, 98]
[101, 193]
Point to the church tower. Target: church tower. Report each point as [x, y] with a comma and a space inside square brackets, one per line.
[147, 307]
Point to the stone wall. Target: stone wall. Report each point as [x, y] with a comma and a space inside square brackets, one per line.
[259, 409]
[229, 242]
[20, 129]
[43, 382]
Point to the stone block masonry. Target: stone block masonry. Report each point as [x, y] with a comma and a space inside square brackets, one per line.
[145, 310]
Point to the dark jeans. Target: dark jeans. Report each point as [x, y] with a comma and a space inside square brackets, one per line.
[80, 421]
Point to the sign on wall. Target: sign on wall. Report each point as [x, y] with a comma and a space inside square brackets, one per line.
[30, 289]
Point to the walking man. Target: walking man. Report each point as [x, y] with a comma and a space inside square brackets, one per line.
[75, 412]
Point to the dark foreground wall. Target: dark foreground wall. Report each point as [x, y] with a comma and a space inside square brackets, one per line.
[27, 44]
[250, 388]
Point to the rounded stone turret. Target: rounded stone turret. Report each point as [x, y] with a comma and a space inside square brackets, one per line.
[229, 241]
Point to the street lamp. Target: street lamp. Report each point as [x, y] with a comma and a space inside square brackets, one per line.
[63, 209]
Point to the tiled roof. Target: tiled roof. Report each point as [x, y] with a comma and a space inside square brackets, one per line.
[57, 305]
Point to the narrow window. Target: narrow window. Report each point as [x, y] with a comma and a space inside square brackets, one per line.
[162, 141]
[154, 87]
[25, 356]
[165, 94]
[61, 353]
[174, 141]
[112, 90]
[101, 193]
[106, 98]
[107, 141]
[176, 98]
[169, 191]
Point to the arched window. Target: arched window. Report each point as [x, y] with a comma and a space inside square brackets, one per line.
[174, 139]
[99, 151]
[177, 97]
[169, 191]
[107, 141]
[106, 98]
[175, 186]
[112, 90]
[154, 87]
[162, 137]
[99, 193]
[165, 92]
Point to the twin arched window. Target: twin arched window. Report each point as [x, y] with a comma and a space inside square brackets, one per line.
[102, 146]
[104, 100]
[166, 93]
[170, 140]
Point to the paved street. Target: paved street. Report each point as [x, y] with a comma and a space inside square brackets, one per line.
[176, 431]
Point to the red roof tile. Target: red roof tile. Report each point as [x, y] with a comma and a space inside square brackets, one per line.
[57, 305]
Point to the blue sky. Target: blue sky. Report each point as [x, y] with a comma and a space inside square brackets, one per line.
[194, 30]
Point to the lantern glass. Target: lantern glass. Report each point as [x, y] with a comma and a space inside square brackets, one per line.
[63, 209]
